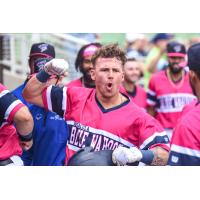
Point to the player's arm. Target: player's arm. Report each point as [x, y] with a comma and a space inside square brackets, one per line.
[160, 156]
[153, 145]
[151, 98]
[152, 62]
[24, 124]
[35, 86]
[12, 110]
[155, 157]
[152, 65]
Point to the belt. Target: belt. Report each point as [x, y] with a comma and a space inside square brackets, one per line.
[5, 162]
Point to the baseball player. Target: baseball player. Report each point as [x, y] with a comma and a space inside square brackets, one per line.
[50, 131]
[84, 65]
[132, 73]
[185, 143]
[169, 90]
[13, 111]
[102, 118]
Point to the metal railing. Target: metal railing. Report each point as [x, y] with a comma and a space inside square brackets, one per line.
[15, 50]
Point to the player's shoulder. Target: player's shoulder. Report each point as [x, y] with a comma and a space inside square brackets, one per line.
[190, 115]
[159, 74]
[75, 83]
[136, 111]
[79, 92]
[2, 87]
[141, 89]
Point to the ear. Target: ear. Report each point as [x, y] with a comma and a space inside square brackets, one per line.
[92, 73]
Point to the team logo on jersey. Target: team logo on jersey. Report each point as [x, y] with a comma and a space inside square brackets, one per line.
[174, 102]
[38, 116]
[43, 47]
[80, 135]
[174, 159]
[56, 117]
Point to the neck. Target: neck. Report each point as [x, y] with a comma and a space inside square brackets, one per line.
[110, 102]
[176, 77]
[129, 86]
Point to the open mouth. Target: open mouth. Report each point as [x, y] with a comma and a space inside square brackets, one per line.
[109, 86]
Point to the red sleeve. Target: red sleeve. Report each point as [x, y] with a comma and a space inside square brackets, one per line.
[152, 134]
[151, 92]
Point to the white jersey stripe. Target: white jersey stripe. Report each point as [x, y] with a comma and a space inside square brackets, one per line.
[151, 92]
[169, 110]
[4, 92]
[64, 100]
[150, 102]
[151, 138]
[105, 133]
[3, 124]
[172, 95]
[185, 150]
[48, 93]
[10, 108]
[72, 147]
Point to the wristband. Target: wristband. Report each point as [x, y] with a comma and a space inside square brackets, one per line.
[26, 138]
[42, 76]
[147, 156]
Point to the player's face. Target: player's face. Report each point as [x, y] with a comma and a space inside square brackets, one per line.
[132, 71]
[174, 64]
[32, 61]
[87, 66]
[108, 76]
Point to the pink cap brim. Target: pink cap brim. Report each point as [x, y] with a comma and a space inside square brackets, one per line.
[176, 55]
[40, 54]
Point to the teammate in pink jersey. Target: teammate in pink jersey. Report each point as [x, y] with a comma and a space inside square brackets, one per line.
[12, 110]
[169, 90]
[132, 73]
[185, 143]
[84, 65]
[102, 118]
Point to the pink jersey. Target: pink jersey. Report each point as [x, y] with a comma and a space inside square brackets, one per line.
[75, 83]
[9, 105]
[168, 99]
[139, 96]
[185, 143]
[92, 125]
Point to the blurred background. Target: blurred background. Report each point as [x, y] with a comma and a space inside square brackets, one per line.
[15, 48]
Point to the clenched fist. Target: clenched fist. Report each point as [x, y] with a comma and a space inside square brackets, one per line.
[56, 67]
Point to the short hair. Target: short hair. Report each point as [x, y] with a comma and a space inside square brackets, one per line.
[80, 58]
[131, 60]
[109, 51]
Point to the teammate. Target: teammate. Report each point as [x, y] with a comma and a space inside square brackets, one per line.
[170, 90]
[38, 50]
[185, 144]
[84, 65]
[50, 131]
[132, 73]
[102, 118]
[13, 111]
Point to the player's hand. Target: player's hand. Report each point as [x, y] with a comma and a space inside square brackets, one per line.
[26, 145]
[122, 155]
[56, 67]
